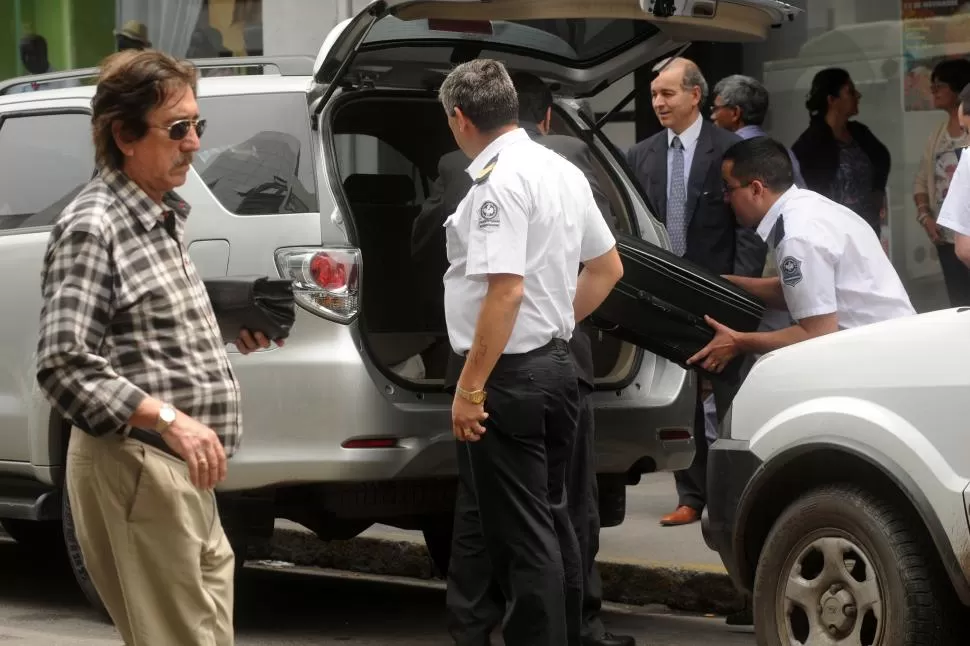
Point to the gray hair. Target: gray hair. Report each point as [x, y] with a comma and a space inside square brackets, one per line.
[747, 94]
[483, 91]
[693, 77]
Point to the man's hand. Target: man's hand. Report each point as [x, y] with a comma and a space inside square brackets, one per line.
[719, 352]
[249, 342]
[932, 230]
[467, 420]
[201, 449]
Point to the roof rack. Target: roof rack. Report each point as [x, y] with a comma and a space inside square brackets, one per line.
[294, 65]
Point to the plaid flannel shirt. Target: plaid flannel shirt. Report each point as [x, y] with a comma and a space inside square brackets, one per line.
[125, 315]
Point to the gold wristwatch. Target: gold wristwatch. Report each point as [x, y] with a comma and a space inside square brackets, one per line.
[474, 396]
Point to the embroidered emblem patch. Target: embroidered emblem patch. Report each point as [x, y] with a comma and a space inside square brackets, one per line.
[488, 215]
[791, 271]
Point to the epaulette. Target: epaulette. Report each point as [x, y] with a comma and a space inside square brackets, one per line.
[489, 167]
[779, 232]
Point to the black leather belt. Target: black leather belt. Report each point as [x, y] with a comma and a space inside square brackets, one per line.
[152, 439]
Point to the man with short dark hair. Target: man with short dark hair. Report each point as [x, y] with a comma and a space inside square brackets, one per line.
[131, 355]
[535, 117]
[512, 300]
[832, 271]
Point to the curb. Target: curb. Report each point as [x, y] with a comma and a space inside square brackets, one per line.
[684, 589]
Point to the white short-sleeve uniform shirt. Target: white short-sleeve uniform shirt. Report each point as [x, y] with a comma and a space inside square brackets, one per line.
[955, 210]
[831, 261]
[530, 213]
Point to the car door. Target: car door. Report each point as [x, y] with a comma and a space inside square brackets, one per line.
[47, 156]
[579, 48]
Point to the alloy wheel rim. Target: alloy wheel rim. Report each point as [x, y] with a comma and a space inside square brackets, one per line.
[830, 594]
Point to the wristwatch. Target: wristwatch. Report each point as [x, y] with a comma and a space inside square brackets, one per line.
[474, 396]
[166, 417]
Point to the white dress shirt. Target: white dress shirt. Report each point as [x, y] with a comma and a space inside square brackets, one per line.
[830, 261]
[689, 139]
[532, 215]
[955, 211]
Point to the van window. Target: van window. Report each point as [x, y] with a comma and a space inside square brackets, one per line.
[46, 160]
[255, 156]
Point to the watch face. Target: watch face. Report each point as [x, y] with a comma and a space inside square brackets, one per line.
[167, 414]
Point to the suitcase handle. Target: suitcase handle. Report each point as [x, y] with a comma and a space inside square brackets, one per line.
[675, 311]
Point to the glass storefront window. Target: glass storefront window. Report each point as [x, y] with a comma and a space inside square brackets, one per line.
[80, 33]
[889, 48]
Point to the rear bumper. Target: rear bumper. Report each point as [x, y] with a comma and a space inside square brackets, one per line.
[730, 467]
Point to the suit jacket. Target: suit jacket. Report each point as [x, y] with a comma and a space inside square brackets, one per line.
[428, 235]
[715, 240]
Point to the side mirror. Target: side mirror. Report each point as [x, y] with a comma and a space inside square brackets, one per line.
[687, 8]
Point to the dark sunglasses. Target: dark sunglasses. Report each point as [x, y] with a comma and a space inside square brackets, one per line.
[180, 129]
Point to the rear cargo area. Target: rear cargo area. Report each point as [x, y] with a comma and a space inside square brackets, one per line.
[386, 170]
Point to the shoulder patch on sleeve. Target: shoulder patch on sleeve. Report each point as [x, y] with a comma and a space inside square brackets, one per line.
[489, 167]
[791, 271]
[488, 215]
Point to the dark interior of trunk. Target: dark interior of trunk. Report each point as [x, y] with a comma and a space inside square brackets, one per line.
[386, 173]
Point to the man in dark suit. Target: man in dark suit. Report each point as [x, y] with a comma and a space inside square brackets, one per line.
[481, 610]
[679, 169]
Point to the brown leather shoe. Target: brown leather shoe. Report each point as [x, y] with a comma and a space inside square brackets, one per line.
[683, 516]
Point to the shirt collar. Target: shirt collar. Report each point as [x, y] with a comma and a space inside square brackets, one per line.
[493, 149]
[145, 210]
[688, 137]
[767, 223]
[750, 132]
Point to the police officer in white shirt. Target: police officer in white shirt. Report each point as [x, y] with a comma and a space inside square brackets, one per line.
[832, 271]
[512, 299]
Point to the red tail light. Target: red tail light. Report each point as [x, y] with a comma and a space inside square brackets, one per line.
[325, 281]
[328, 273]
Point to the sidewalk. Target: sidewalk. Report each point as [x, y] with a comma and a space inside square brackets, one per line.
[641, 562]
[640, 540]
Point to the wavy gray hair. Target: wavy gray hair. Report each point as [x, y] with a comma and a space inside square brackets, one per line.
[747, 94]
[483, 91]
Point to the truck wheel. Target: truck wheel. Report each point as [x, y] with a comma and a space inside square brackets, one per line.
[77, 560]
[842, 567]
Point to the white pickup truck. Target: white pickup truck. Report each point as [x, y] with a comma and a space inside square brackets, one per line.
[838, 486]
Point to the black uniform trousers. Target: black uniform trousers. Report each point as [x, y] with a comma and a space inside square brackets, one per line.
[515, 553]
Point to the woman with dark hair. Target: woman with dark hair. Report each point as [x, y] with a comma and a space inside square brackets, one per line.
[840, 158]
[936, 171]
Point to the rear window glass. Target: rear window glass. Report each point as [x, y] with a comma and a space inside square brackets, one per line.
[580, 41]
[255, 156]
[46, 159]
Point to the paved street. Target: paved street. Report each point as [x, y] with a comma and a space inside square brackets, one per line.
[40, 606]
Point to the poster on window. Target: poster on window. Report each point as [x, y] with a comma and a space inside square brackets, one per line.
[932, 31]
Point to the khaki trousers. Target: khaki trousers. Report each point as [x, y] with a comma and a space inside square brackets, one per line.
[152, 543]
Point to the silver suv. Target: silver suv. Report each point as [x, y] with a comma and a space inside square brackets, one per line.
[315, 170]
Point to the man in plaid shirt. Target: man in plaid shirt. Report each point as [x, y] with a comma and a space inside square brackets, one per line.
[130, 352]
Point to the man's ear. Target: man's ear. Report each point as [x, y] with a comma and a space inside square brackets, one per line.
[122, 139]
[546, 124]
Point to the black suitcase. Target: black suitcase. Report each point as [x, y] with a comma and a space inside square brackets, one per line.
[660, 302]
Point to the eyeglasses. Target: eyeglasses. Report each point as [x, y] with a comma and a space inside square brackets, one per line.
[727, 190]
[180, 129]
